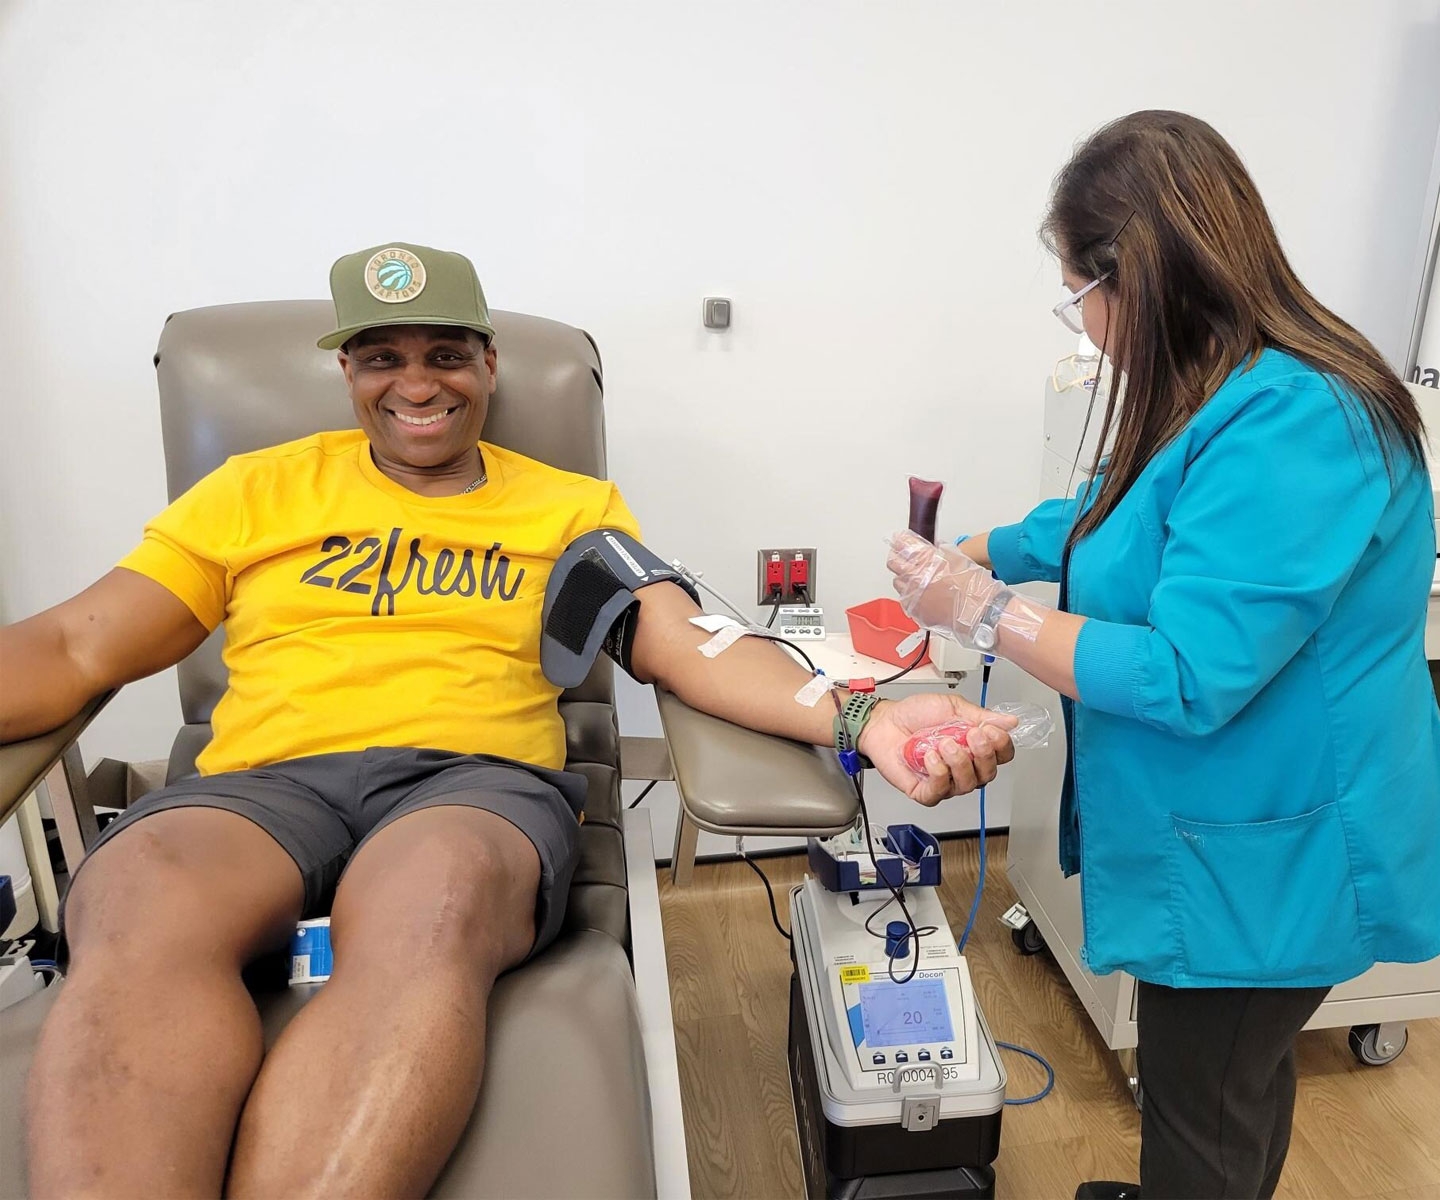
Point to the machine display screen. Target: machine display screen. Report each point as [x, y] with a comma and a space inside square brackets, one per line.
[902, 1014]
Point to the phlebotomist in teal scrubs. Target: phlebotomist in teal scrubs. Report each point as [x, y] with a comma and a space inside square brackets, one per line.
[1252, 799]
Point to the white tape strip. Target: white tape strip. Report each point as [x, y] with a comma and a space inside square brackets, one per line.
[714, 622]
[810, 694]
[912, 643]
[723, 640]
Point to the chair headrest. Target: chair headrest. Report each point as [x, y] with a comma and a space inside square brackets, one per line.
[240, 377]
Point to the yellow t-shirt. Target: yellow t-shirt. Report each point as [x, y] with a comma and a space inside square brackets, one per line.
[360, 614]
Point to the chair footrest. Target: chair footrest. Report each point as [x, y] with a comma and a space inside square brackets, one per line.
[564, 1110]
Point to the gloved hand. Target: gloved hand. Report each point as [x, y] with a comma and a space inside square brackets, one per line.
[943, 591]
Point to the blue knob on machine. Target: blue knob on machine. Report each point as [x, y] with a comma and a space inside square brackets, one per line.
[897, 940]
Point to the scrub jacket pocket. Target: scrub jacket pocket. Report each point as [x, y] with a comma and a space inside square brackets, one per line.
[1235, 923]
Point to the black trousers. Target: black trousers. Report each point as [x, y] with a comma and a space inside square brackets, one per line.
[1218, 1070]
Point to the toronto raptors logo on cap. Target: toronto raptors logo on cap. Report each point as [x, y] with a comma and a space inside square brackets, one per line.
[395, 275]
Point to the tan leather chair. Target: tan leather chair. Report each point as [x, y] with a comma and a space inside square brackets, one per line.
[566, 1104]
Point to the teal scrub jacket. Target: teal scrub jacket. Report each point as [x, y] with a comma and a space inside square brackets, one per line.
[1253, 791]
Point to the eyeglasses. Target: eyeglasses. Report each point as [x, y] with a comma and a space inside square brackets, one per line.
[1070, 309]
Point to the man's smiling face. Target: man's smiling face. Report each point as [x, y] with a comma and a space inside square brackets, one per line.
[420, 392]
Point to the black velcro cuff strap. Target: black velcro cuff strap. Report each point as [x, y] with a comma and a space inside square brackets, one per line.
[590, 590]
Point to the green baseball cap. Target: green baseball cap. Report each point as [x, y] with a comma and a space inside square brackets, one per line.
[402, 284]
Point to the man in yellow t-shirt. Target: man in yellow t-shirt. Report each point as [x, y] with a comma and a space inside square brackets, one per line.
[387, 746]
[360, 613]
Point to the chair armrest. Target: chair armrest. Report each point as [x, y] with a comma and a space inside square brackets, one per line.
[733, 780]
[24, 764]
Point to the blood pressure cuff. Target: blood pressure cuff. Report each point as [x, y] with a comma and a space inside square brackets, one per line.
[590, 603]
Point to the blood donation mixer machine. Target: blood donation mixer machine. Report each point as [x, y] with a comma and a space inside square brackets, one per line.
[897, 1081]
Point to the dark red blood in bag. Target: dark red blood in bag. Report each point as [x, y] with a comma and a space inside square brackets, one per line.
[924, 506]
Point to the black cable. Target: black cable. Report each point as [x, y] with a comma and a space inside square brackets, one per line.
[873, 915]
[897, 895]
[769, 894]
[915, 662]
[643, 794]
[774, 612]
[1090, 408]
[779, 641]
[877, 934]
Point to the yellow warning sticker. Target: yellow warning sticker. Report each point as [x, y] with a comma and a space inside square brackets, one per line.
[859, 974]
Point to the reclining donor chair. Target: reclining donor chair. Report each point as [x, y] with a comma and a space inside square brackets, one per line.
[581, 1093]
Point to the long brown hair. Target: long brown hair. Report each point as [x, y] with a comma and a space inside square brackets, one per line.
[1159, 205]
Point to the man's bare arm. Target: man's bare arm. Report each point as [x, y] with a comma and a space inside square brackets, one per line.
[121, 628]
[753, 683]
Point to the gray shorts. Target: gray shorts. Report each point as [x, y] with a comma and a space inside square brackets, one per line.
[322, 809]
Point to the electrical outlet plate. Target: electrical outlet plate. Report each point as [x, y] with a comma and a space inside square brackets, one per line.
[787, 554]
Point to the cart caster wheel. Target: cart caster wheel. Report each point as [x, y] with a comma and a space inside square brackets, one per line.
[1028, 939]
[1377, 1045]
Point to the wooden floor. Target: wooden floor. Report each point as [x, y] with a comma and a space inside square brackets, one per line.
[1359, 1131]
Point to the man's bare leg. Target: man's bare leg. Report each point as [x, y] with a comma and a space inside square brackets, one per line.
[145, 1061]
[370, 1087]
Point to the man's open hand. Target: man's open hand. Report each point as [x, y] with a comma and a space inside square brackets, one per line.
[954, 769]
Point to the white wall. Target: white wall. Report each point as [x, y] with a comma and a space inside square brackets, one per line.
[864, 179]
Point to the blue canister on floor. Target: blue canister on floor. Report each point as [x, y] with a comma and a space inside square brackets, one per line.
[310, 957]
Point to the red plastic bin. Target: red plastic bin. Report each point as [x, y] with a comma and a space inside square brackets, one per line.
[877, 628]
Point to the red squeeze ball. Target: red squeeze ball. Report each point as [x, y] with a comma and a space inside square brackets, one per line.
[922, 743]
[924, 506]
